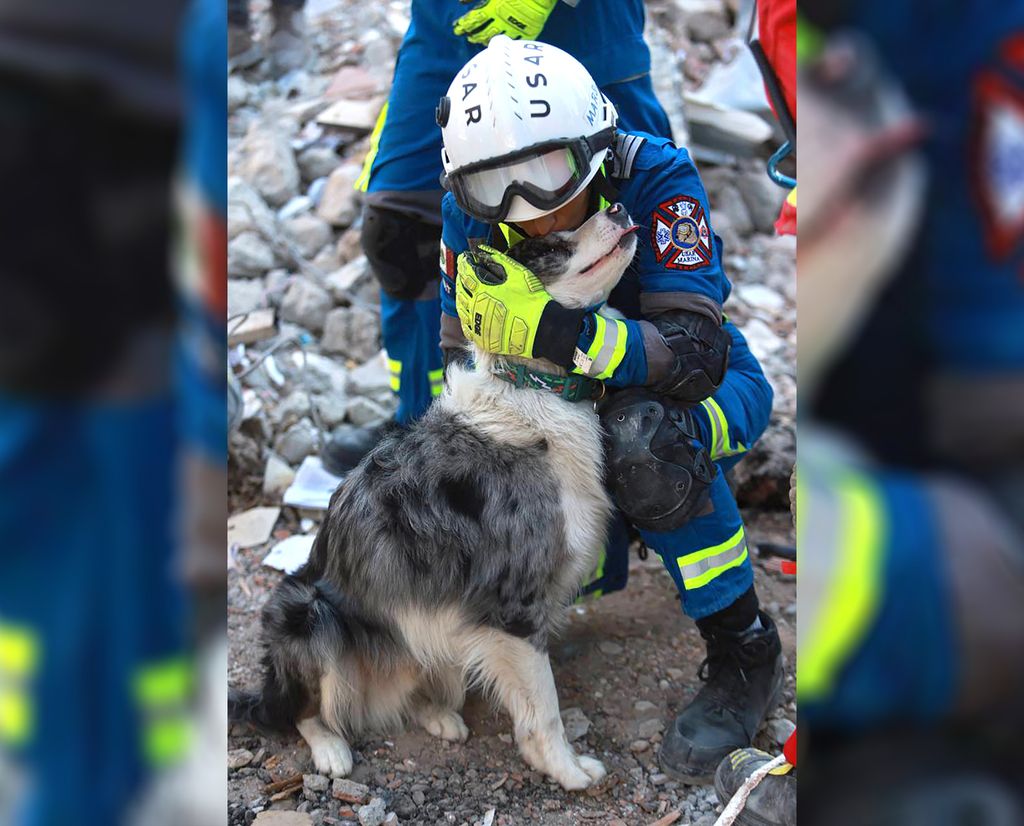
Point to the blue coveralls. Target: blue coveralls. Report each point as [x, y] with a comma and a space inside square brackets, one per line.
[707, 557]
[955, 308]
[605, 35]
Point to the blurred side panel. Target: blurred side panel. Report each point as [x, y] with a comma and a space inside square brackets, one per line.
[911, 366]
[98, 631]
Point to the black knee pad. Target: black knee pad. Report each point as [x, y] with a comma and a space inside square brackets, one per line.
[403, 251]
[659, 474]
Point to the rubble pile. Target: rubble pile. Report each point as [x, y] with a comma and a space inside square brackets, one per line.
[297, 144]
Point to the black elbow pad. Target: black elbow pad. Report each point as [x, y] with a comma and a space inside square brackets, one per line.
[700, 348]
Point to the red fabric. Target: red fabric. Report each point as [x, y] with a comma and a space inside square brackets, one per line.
[213, 245]
[786, 222]
[776, 20]
[790, 749]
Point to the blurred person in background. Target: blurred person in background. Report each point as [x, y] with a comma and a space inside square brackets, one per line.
[286, 45]
[401, 225]
[911, 583]
[95, 670]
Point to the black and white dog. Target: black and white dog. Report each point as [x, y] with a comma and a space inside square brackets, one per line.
[449, 556]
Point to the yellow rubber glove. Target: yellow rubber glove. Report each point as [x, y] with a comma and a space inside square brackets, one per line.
[519, 19]
[504, 309]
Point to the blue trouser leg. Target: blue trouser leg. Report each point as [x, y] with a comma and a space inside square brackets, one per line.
[411, 332]
[707, 557]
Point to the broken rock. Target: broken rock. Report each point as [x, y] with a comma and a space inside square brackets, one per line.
[306, 303]
[351, 331]
[244, 296]
[249, 255]
[309, 233]
[247, 211]
[576, 723]
[370, 377]
[258, 325]
[365, 412]
[293, 407]
[343, 282]
[338, 202]
[350, 791]
[297, 442]
[268, 163]
[373, 813]
[239, 758]
[277, 476]
[279, 818]
[317, 162]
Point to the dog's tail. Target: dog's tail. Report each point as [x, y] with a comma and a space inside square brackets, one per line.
[300, 622]
[308, 628]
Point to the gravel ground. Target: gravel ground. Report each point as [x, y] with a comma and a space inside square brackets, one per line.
[627, 663]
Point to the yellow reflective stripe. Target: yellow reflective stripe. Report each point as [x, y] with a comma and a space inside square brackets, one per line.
[721, 443]
[16, 716]
[595, 345]
[436, 375]
[164, 684]
[363, 181]
[167, 740]
[19, 651]
[608, 347]
[395, 368]
[700, 567]
[851, 599]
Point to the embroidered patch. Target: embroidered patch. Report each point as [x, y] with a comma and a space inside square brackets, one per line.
[680, 234]
[997, 161]
[447, 261]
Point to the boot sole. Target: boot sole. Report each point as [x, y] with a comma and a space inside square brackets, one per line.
[707, 777]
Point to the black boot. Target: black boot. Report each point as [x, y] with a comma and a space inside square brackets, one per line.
[773, 800]
[348, 444]
[743, 680]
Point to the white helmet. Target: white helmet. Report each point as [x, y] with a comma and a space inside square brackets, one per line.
[525, 129]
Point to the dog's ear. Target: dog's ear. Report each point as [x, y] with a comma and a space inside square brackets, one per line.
[547, 256]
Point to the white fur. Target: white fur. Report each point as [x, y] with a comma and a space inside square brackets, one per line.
[331, 753]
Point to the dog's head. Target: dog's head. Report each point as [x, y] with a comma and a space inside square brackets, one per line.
[580, 268]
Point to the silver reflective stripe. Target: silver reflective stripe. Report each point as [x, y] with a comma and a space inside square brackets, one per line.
[625, 148]
[726, 555]
[604, 355]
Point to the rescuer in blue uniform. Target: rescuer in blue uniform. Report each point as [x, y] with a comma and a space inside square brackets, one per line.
[401, 219]
[560, 159]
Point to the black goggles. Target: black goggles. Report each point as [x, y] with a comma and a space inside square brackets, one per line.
[543, 175]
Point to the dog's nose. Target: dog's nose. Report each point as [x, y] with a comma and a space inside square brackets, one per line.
[617, 212]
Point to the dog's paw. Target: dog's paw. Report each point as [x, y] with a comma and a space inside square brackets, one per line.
[448, 725]
[579, 773]
[332, 756]
[593, 767]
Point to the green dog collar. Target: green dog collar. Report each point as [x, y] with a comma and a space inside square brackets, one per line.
[572, 388]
